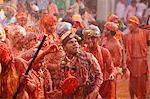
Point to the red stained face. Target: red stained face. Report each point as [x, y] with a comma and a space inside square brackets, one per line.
[72, 46]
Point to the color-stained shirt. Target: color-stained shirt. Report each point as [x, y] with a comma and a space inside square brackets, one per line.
[115, 49]
[105, 60]
[130, 11]
[136, 51]
[52, 8]
[86, 68]
[120, 9]
[10, 79]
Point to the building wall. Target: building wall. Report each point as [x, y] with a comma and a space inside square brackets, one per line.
[105, 8]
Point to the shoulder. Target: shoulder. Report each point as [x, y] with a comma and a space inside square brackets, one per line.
[20, 65]
[19, 61]
[54, 4]
[129, 7]
[127, 34]
[104, 50]
[115, 40]
[144, 5]
[144, 32]
[86, 55]
[138, 4]
[148, 9]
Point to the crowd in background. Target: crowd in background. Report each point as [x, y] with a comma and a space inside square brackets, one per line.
[139, 9]
[80, 57]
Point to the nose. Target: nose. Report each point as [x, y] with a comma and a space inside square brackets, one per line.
[74, 41]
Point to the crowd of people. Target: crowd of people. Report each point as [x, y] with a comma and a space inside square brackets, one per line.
[139, 9]
[78, 60]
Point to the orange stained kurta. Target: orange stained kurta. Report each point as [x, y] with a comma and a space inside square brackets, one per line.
[38, 80]
[10, 79]
[53, 60]
[136, 47]
[107, 70]
[115, 49]
[104, 59]
[87, 69]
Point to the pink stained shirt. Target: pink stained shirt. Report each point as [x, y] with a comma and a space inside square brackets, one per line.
[52, 8]
[130, 11]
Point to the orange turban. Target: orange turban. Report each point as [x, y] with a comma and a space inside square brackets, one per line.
[111, 26]
[112, 18]
[48, 20]
[21, 15]
[134, 19]
[77, 21]
[77, 18]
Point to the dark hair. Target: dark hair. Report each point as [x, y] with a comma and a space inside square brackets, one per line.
[79, 32]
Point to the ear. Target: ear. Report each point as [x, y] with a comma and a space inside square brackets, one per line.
[64, 47]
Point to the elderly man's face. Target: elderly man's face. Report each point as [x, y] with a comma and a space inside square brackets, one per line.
[132, 26]
[72, 46]
[50, 28]
[88, 40]
[91, 41]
